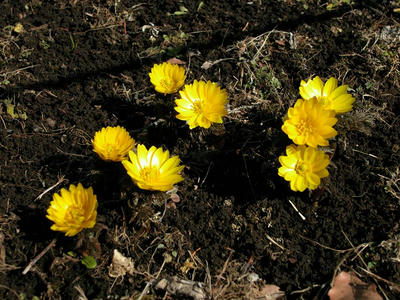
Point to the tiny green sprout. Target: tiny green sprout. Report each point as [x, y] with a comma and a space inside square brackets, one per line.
[71, 253]
[201, 4]
[182, 11]
[337, 3]
[13, 111]
[8, 28]
[44, 45]
[89, 262]
[73, 44]
[172, 52]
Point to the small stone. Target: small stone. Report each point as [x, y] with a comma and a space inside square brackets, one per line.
[51, 122]
[253, 277]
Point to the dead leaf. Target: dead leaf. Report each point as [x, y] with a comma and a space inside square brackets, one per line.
[206, 65]
[346, 286]
[279, 42]
[187, 266]
[268, 292]
[175, 198]
[176, 286]
[175, 61]
[120, 265]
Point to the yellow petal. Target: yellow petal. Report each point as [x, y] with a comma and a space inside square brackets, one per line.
[289, 176]
[288, 161]
[293, 185]
[299, 139]
[142, 156]
[329, 86]
[301, 183]
[317, 86]
[341, 90]
[292, 150]
[323, 173]
[170, 163]
[342, 104]
[310, 154]
[311, 88]
[313, 179]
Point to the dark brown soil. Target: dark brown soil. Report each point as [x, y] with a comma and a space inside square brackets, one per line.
[79, 66]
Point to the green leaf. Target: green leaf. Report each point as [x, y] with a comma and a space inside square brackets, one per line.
[371, 265]
[89, 262]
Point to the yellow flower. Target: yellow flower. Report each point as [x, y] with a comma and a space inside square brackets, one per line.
[167, 78]
[112, 143]
[309, 123]
[153, 169]
[303, 167]
[201, 104]
[329, 94]
[73, 210]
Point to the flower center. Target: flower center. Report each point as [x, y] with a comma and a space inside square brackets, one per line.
[305, 127]
[166, 83]
[149, 173]
[110, 149]
[301, 168]
[197, 106]
[75, 214]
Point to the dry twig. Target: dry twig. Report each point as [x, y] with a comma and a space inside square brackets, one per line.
[60, 180]
[34, 261]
